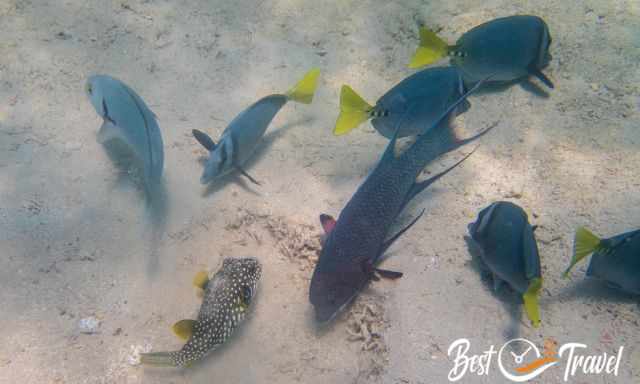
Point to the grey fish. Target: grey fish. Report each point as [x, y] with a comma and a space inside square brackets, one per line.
[509, 48]
[227, 299]
[410, 106]
[241, 137]
[356, 242]
[615, 260]
[126, 117]
[510, 251]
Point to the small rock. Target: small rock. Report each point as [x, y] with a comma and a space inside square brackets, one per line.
[62, 35]
[89, 325]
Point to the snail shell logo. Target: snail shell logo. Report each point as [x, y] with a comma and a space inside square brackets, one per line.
[529, 363]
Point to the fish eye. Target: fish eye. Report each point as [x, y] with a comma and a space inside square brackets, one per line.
[89, 88]
[246, 294]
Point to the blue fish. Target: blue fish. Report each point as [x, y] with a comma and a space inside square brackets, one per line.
[127, 118]
[241, 137]
[410, 106]
[509, 249]
[615, 260]
[510, 48]
[355, 243]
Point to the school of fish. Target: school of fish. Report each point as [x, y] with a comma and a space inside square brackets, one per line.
[423, 105]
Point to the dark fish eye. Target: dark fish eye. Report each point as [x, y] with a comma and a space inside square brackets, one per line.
[89, 88]
[246, 294]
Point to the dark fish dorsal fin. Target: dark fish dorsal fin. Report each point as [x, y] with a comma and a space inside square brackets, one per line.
[328, 223]
[204, 139]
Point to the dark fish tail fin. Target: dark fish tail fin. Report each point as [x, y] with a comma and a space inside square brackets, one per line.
[164, 359]
[585, 243]
[440, 137]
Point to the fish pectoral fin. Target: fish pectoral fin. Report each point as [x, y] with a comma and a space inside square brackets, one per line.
[204, 140]
[108, 131]
[184, 328]
[530, 298]
[248, 176]
[431, 49]
[584, 244]
[354, 110]
[303, 91]
[541, 76]
[388, 274]
[201, 279]
[328, 223]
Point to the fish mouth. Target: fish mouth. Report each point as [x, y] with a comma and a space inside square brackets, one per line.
[323, 317]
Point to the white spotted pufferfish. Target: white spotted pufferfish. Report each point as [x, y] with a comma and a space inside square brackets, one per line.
[226, 300]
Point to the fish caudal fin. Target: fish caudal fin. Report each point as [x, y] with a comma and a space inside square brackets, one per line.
[303, 91]
[157, 358]
[585, 243]
[530, 299]
[354, 110]
[432, 48]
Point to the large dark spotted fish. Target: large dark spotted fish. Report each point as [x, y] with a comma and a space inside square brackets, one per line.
[356, 242]
[227, 297]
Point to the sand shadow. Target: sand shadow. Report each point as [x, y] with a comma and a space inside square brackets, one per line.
[525, 83]
[156, 203]
[503, 293]
[595, 290]
[261, 149]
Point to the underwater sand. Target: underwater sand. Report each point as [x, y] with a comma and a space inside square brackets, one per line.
[78, 241]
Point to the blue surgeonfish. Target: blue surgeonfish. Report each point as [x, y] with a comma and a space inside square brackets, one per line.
[127, 118]
[615, 260]
[410, 106]
[507, 48]
[508, 248]
[242, 135]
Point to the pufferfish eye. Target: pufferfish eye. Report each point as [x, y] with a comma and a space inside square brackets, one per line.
[89, 88]
[246, 294]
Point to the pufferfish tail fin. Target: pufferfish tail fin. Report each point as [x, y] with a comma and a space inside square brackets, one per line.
[158, 359]
[584, 244]
[431, 49]
[354, 110]
[303, 91]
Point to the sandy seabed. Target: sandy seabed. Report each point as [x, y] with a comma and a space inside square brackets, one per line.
[77, 240]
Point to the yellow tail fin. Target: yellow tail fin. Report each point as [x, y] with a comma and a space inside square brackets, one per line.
[531, 301]
[353, 111]
[303, 91]
[584, 244]
[431, 49]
